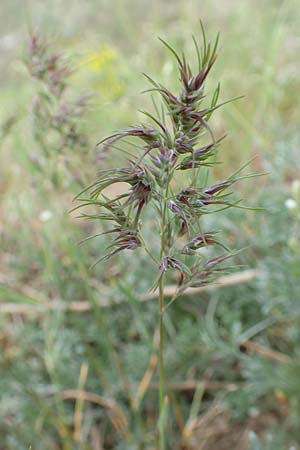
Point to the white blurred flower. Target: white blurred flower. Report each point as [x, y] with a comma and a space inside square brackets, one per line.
[290, 203]
[45, 215]
[8, 41]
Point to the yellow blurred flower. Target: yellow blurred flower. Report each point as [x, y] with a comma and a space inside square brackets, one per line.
[102, 66]
[100, 58]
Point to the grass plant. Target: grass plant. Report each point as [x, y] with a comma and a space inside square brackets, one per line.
[168, 170]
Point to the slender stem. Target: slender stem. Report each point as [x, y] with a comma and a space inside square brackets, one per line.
[162, 443]
[162, 426]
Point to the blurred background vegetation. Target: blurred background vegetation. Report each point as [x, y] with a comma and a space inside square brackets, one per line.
[78, 368]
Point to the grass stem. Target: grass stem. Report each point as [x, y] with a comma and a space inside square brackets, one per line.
[162, 444]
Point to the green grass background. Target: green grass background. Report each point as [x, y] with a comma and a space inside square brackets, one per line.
[47, 353]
